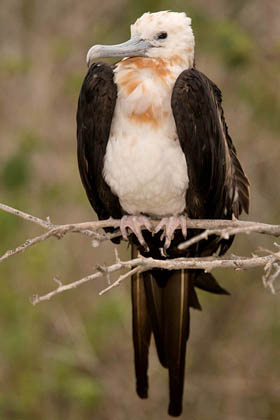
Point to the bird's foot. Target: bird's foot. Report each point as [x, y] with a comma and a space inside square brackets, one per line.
[168, 225]
[135, 223]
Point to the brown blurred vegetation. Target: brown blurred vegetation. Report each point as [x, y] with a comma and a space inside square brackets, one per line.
[72, 357]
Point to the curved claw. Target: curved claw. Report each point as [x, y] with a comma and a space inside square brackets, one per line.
[135, 223]
[168, 225]
[161, 226]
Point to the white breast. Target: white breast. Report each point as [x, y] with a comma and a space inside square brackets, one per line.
[144, 163]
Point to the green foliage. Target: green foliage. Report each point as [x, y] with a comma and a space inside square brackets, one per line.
[73, 82]
[53, 191]
[28, 140]
[136, 9]
[62, 48]
[107, 318]
[264, 101]
[234, 44]
[37, 261]
[13, 66]
[226, 39]
[33, 374]
[9, 226]
[15, 171]
[82, 389]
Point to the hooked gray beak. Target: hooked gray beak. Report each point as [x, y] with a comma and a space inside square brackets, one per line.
[131, 48]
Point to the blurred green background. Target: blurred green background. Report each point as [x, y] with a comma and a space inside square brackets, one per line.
[71, 358]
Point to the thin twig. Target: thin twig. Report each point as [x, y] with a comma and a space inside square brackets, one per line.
[245, 227]
[120, 279]
[222, 228]
[242, 226]
[44, 223]
[25, 245]
[63, 288]
[144, 264]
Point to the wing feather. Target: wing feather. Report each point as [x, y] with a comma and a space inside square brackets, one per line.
[218, 186]
[96, 107]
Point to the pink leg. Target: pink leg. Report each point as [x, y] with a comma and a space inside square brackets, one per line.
[135, 223]
[168, 225]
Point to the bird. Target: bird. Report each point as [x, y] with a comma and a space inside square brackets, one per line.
[153, 143]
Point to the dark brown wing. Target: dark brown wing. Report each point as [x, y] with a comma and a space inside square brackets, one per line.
[240, 181]
[94, 117]
[218, 187]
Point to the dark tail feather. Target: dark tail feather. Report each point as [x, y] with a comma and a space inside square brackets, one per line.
[193, 298]
[154, 295]
[141, 327]
[169, 311]
[176, 331]
[206, 281]
[165, 312]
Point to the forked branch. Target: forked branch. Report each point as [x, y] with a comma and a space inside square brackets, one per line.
[94, 230]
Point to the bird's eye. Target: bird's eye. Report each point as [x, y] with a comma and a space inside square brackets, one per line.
[161, 35]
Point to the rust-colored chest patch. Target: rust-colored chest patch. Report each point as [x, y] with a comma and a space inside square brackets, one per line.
[149, 116]
[158, 66]
[131, 75]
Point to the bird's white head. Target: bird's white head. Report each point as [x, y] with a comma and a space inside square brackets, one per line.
[168, 33]
[164, 35]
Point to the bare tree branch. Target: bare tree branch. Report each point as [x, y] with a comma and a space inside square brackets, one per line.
[223, 228]
[141, 264]
[44, 223]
